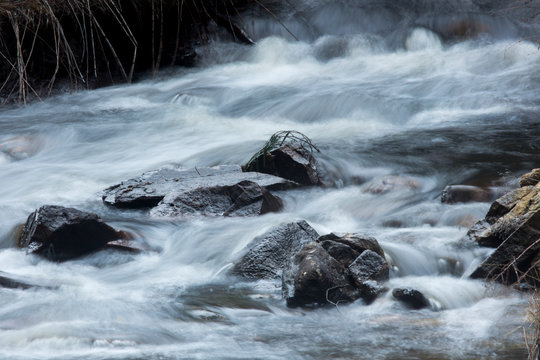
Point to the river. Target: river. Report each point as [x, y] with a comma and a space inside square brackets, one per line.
[379, 93]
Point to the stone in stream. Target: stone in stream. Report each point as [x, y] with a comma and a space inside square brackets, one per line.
[453, 194]
[59, 233]
[245, 198]
[512, 225]
[290, 161]
[268, 254]
[314, 278]
[220, 190]
[335, 269]
[412, 298]
[389, 183]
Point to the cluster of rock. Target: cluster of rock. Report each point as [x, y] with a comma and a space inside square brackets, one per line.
[512, 227]
[316, 270]
[58, 233]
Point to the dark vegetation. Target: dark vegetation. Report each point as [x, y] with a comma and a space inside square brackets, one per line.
[73, 44]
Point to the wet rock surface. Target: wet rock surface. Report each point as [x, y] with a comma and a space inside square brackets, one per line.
[512, 225]
[59, 233]
[290, 161]
[454, 194]
[412, 298]
[268, 254]
[389, 183]
[335, 269]
[314, 278]
[531, 178]
[245, 198]
[220, 190]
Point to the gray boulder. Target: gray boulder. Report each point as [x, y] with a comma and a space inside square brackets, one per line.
[268, 254]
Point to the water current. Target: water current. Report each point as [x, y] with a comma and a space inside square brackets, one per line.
[382, 89]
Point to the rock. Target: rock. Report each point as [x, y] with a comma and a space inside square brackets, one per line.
[268, 254]
[453, 194]
[530, 179]
[369, 266]
[245, 198]
[150, 188]
[314, 278]
[126, 244]
[506, 215]
[357, 242]
[290, 161]
[341, 252]
[389, 183]
[516, 234]
[58, 233]
[412, 298]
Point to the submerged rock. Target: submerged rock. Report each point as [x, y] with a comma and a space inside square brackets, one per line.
[512, 225]
[19, 148]
[453, 194]
[389, 183]
[268, 254]
[245, 198]
[412, 298]
[220, 190]
[11, 281]
[290, 161]
[59, 233]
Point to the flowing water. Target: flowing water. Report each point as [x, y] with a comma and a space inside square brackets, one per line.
[382, 90]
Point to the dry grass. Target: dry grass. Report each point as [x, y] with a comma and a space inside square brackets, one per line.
[96, 42]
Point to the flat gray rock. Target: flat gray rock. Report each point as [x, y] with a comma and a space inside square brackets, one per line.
[149, 189]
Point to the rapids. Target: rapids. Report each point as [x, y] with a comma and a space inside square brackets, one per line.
[381, 90]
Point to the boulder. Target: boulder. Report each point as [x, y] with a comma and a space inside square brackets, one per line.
[290, 161]
[531, 178]
[58, 233]
[515, 234]
[245, 198]
[453, 194]
[331, 271]
[357, 242]
[220, 190]
[314, 278]
[369, 266]
[412, 298]
[268, 254]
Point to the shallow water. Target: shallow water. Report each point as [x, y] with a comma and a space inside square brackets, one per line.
[382, 96]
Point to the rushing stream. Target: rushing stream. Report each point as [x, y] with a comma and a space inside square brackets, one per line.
[379, 93]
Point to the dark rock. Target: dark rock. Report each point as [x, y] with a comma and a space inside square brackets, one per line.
[314, 278]
[58, 233]
[10, 283]
[530, 179]
[389, 183]
[150, 188]
[412, 298]
[268, 254]
[357, 242]
[245, 198]
[453, 194]
[341, 252]
[290, 161]
[516, 235]
[369, 266]
[127, 244]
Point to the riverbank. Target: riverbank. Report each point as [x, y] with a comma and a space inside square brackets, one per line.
[49, 45]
